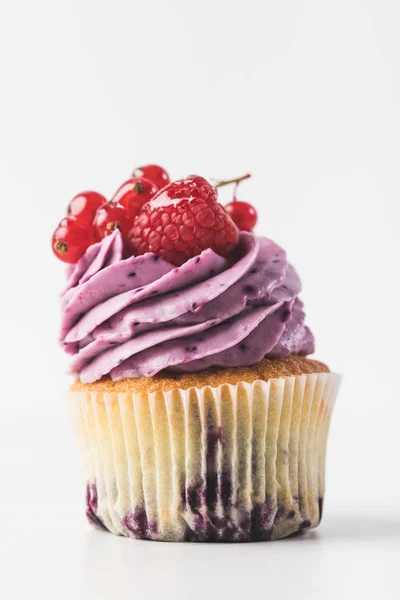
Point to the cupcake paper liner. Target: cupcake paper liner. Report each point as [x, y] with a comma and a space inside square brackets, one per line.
[241, 462]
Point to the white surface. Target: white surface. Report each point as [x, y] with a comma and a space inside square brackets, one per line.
[305, 95]
[349, 557]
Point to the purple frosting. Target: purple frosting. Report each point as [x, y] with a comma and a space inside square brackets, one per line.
[137, 316]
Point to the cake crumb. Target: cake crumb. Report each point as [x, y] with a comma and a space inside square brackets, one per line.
[264, 370]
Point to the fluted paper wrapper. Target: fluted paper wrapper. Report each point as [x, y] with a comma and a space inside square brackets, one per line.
[238, 462]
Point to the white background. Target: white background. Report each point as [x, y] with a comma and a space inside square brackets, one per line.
[306, 96]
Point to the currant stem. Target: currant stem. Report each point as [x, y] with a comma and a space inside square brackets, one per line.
[237, 180]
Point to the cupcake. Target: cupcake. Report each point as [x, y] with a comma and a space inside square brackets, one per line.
[198, 414]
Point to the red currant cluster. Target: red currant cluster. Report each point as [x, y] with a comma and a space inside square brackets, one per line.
[90, 217]
[184, 219]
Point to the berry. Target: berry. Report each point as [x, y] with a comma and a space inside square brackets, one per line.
[111, 216]
[83, 206]
[182, 220]
[153, 173]
[243, 214]
[134, 193]
[71, 239]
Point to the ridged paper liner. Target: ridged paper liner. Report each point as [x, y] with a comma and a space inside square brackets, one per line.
[238, 462]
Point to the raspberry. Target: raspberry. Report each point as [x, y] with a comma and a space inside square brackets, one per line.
[182, 220]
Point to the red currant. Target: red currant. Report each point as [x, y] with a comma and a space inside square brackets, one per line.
[83, 207]
[71, 239]
[153, 173]
[134, 193]
[243, 214]
[111, 216]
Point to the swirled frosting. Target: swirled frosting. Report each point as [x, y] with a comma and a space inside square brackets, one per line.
[129, 317]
